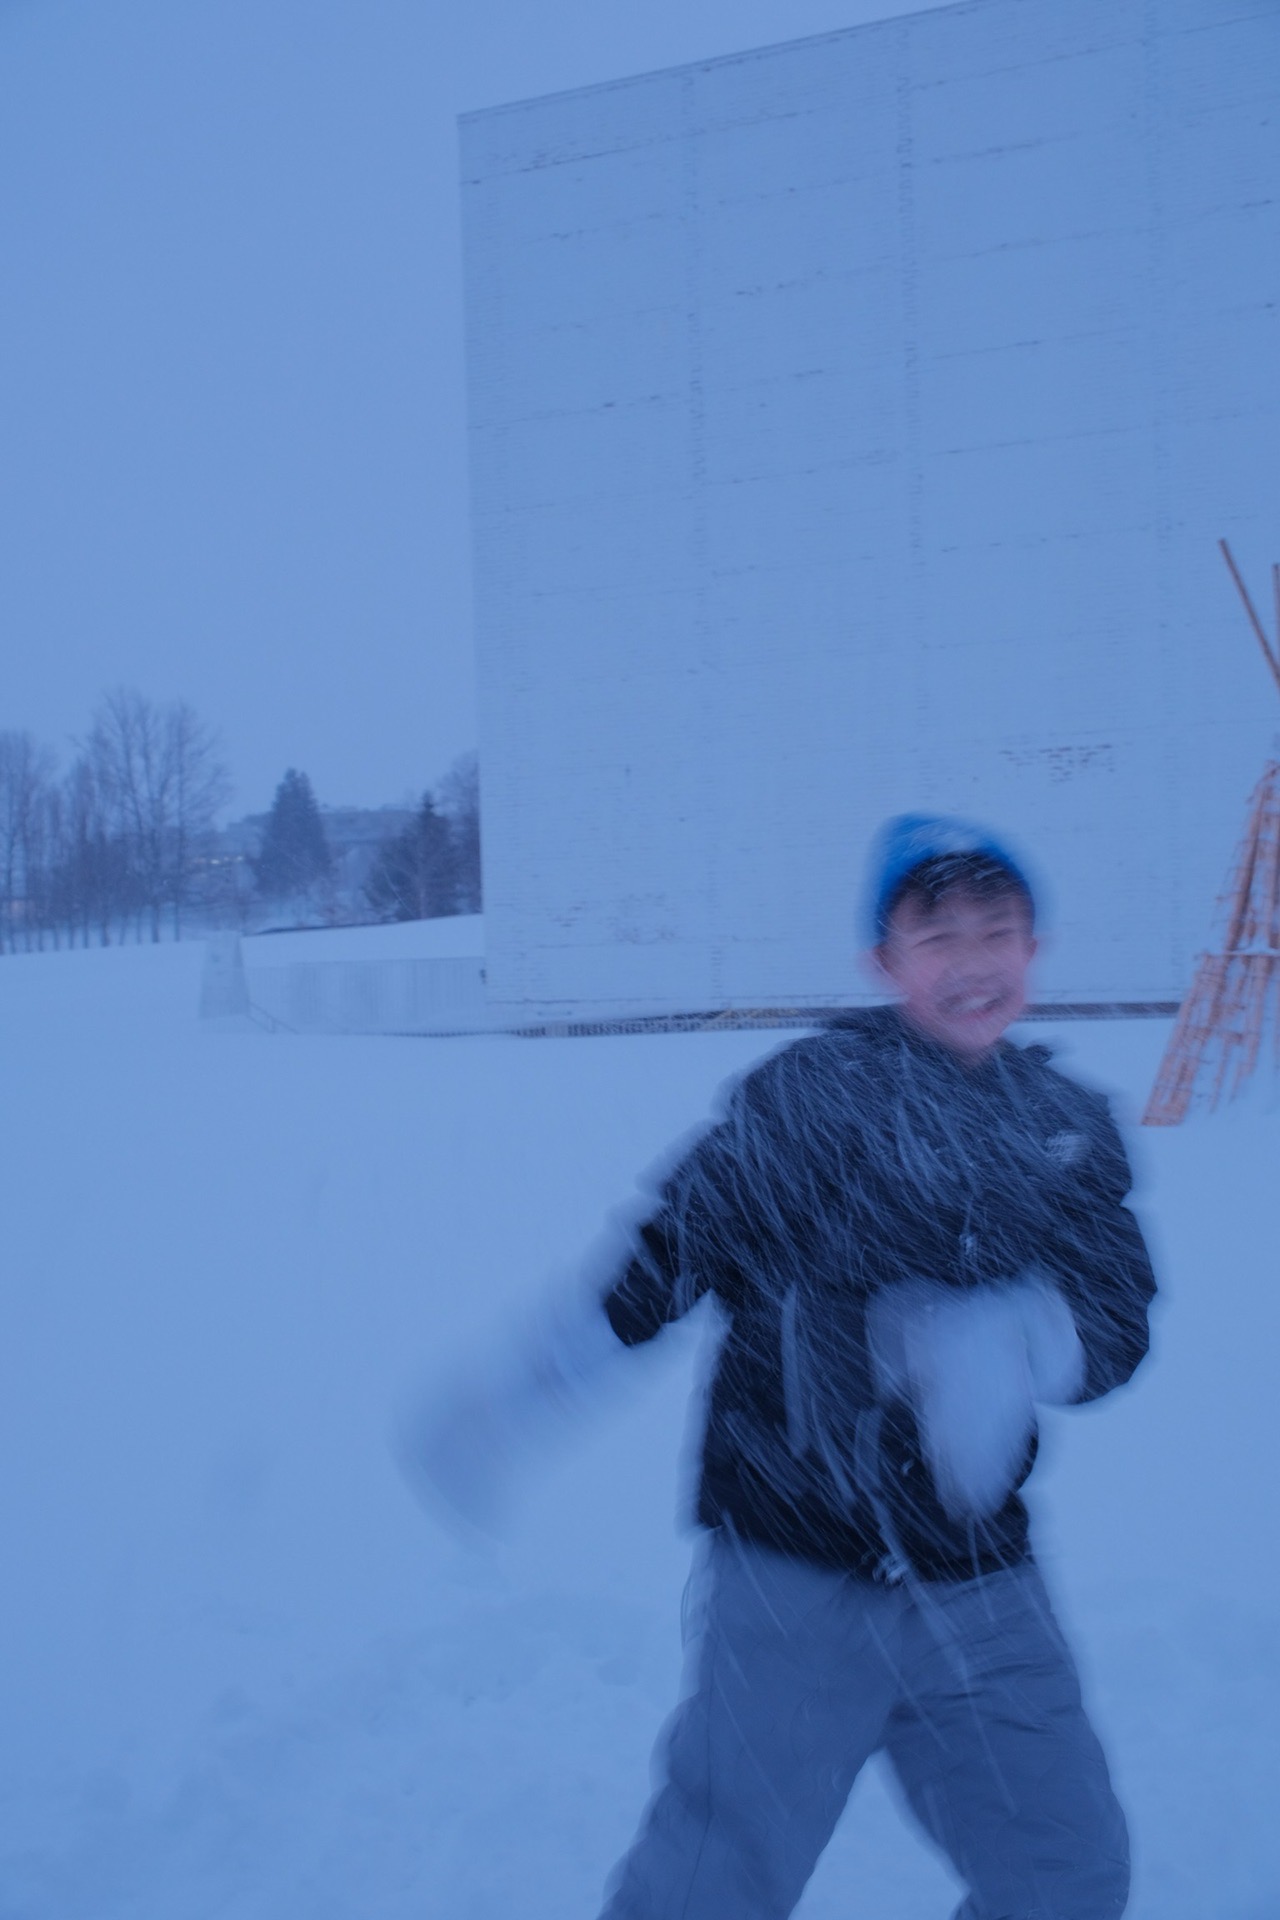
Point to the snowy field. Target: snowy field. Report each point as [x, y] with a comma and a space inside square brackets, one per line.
[244, 1678]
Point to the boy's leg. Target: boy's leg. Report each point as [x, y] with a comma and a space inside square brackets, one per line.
[997, 1759]
[793, 1681]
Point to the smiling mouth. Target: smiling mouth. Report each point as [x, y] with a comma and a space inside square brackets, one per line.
[976, 1005]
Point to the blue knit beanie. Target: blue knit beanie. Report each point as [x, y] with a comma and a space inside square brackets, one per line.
[908, 840]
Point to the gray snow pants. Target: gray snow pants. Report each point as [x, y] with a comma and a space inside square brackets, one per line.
[800, 1674]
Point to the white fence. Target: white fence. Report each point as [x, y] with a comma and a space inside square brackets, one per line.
[373, 996]
[444, 995]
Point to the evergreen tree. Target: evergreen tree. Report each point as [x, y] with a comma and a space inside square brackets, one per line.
[295, 852]
[415, 873]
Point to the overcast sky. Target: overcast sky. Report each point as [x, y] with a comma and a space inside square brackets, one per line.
[232, 424]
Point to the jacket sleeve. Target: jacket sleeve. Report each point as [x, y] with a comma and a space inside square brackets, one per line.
[1100, 1262]
[678, 1253]
[650, 1294]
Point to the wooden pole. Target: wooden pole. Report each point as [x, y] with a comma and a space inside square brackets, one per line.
[1207, 1026]
[1259, 936]
[1225, 1013]
[1222, 1020]
[1249, 608]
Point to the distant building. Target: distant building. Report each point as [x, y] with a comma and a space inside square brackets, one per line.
[852, 424]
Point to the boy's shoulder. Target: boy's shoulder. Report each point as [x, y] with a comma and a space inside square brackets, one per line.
[851, 1034]
[871, 1041]
[1079, 1129]
[1036, 1061]
[854, 1067]
[855, 1044]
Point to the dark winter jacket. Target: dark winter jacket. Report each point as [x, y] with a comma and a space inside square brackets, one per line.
[848, 1162]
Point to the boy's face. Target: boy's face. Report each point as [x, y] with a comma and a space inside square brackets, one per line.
[960, 967]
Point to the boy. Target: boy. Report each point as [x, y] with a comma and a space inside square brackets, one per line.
[914, 1230]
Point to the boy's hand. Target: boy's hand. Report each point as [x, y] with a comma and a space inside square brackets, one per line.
[458, 1450]
[1054, 1350]
[463, 1447]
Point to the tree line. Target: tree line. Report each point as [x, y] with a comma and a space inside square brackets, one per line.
[429, 868]
[115, 845]
[124, 843]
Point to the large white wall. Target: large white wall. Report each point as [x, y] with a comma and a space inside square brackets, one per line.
[852, 425]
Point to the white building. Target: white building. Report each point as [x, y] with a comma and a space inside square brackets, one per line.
[853, 422]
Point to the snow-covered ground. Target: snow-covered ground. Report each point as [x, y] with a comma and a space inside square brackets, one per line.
[245, 1679]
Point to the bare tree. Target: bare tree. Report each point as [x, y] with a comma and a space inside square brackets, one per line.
[158, 770]
[91, 881]
[26, 771]
[127, 755]
[40, 855]
[200, 787]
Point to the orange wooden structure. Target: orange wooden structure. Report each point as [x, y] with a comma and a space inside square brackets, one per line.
[1235, 994]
